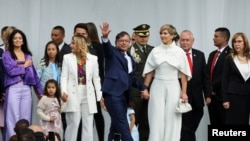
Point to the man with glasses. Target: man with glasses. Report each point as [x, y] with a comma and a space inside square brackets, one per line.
[119, 78]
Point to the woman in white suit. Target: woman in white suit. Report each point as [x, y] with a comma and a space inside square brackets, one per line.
[80, 81]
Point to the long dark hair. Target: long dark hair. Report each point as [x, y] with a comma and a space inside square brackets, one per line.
[24, 46]
[92, 32]
[58, 90]
[46, 56]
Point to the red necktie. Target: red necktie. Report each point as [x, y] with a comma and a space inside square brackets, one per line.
[213, 63]
[190, 62]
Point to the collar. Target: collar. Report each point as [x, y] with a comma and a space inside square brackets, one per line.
[61, 45]
[221, 50]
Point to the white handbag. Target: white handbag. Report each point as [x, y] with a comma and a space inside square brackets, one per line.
[183, 107]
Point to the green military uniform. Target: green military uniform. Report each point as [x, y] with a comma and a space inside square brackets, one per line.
[139, 54]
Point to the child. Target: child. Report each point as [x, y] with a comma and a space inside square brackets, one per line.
[131, 121]
[49, 66]
[50, 106]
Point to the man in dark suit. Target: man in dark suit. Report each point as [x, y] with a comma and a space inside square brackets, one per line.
[197, 86]
[215, 67]
[57, 35]
[119, 78]
[139, 52]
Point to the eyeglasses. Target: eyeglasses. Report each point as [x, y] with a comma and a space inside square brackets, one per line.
[124, 41]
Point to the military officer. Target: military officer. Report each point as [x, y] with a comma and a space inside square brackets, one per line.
[139, 51]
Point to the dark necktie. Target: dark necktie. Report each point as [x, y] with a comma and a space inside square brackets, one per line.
[144, 50]
[190, 62]
[129, 62]
[213, 63]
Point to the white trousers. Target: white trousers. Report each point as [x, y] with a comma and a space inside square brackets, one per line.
[73, 121]
[164, 122]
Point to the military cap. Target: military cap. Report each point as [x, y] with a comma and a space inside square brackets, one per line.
[142, 30]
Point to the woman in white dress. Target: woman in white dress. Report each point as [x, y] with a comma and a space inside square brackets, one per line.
[166, 64]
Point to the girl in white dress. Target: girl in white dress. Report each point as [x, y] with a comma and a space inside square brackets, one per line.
[166, 63]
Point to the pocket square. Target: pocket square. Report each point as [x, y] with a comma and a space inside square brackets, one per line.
[183, 107]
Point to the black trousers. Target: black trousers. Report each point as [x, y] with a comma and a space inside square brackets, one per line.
[216, 111]
[190, 123]
[64, 123]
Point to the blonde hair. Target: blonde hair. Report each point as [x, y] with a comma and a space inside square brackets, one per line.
[170, 28]
[81, 43]
[9, 30]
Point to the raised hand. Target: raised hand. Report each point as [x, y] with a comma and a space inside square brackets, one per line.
[105, 29]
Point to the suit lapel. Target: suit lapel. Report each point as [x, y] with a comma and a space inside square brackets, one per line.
[88, 67]
[195, 60]
[132, 61]
[221, 57]
[237, 69]
[122, 59]
[74, 65]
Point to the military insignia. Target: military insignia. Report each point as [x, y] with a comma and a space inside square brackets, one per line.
[144, 26]
[137, 58]
[134, 54]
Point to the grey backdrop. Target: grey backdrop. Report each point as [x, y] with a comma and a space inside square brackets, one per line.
[37, 17]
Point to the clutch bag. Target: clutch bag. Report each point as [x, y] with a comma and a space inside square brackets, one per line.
[183, 107]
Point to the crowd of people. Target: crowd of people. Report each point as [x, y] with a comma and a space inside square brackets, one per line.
[138, 84]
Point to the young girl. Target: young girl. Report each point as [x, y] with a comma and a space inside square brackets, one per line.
[50, 106]
[49, 66]
[131, 121]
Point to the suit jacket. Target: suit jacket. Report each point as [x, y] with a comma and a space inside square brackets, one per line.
[116, 79]
[199, 83]
[140, 59]
[65, 50]
[232, 80]
[218, 70]
[69, 82]
[99, 53]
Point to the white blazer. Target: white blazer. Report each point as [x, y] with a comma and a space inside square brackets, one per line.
[69, 82]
